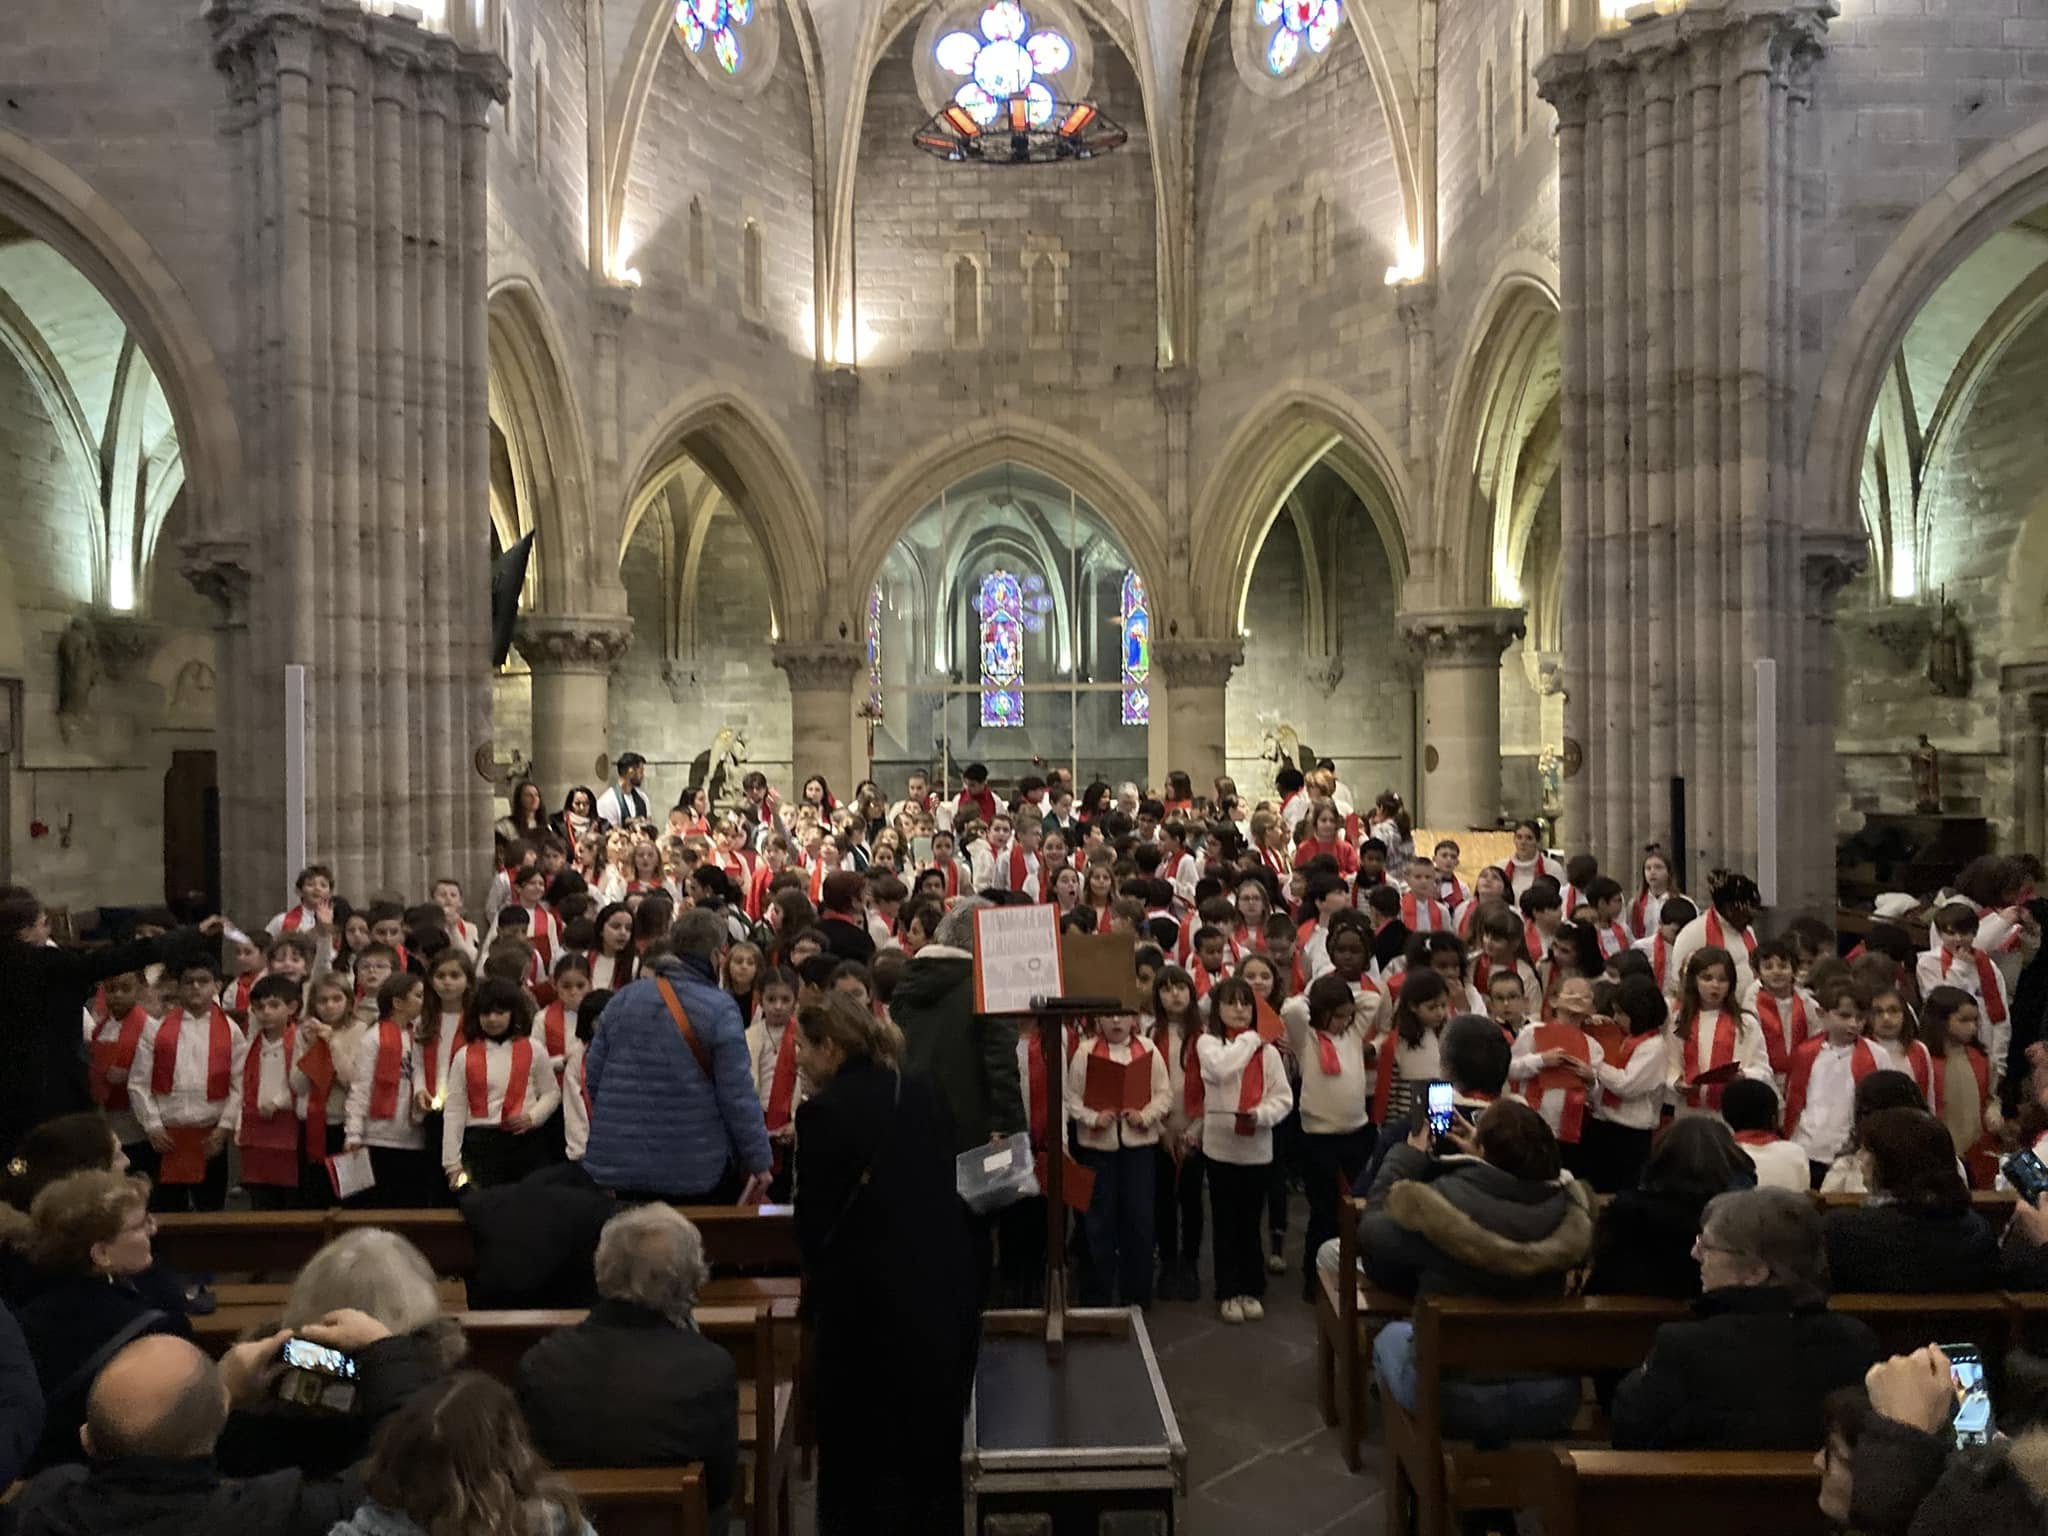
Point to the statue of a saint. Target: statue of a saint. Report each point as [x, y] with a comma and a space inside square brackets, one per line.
[1948, 654]
[1927, 778]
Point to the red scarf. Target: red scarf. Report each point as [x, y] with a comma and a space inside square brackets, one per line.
[1465, 919]
[814, 879]
[432, 1055]
[1660, 955]
[1532, 943]
[1770, 1014]
[1276, 861]
[476, 1068]
[117, 1054]
[269, 1143]
[294, 920]
[1326, 1053]
[1251, 1087]
[1619, 1058]
[238, 991]
[1020, 870]
[1423, 916]
[390, 1068]
[1990, 994]
[1727, 1026]
[782, 1087]
[220, 1051]
[1862, 1063]
[1613, 940]
[1034, 1071]
[1639, 913]
[554, 1024]
[1715, 933]
[1920, 1067]
[757, 890]
[317, 1066]
[1757, 1138]
[1193, 1095]
[1570, 1039]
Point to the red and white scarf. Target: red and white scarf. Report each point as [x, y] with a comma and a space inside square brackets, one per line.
[388, 1071]
[220, 1050]
[1642, 916]
[1727, 1026]
[1785, 1029]
[1717, 937]
[1862, 1062]
[1990, 992]
[1570, 1039]
[1423, 914]
[115, 1052]
[269, 1143]
[476, 1070]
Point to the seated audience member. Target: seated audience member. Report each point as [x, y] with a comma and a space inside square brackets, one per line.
[1916, 1231]
[1751, 1109]
[75, 1143]
[456, 1461]
[1750, 1370]
[151, 1421]
[1908, 1477]
[382, 1276]
[1644, 1242]
[1878, 1091]
[21, 1402]
[634, 1384]
[534, 1239]
[88, 1242]
[1844, 1417]
[1496, 1219]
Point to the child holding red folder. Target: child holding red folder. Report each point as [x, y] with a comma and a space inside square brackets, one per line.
[1118, 1095]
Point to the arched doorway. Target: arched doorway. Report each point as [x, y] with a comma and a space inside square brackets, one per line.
[1009, 625]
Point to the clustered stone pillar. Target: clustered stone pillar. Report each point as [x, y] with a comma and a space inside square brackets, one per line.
[361, 376]
[2029, 720]
[1679, 148]
[570, 659]
[1460, 651]
[1197, 672]
[821, 677]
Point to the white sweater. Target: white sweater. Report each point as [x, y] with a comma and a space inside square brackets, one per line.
[1330, 1106]
[1116, 1134]
[1223, 1069]
[403, 1131]
[457, 1114]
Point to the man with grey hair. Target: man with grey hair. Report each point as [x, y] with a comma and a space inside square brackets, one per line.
[673, 1110]
[1751, 1370]
[634, 1384]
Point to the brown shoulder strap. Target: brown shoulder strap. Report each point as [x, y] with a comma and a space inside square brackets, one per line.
[675, 1008]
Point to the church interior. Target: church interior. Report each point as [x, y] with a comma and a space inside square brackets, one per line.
[1623, 415]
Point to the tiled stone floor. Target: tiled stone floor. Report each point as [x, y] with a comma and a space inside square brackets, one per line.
[1260, 1462]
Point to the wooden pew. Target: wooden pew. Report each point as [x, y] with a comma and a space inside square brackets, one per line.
[642, 1501]
[1348, 1318]
[1683, 1493]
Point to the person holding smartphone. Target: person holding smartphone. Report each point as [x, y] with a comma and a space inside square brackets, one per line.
[1934, 1457]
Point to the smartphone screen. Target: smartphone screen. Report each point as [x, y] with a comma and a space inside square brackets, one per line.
[1972, 1423]
[2026, 1173]
[305, 1355]
[1440, 1108]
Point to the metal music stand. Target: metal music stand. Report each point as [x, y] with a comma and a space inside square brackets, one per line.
[1051, 1015]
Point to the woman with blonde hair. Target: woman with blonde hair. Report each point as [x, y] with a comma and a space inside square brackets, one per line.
[456, 1461]
[88, 1241]
[889, 1277]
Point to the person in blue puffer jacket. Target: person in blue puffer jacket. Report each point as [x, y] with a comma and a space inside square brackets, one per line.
[669, 1120]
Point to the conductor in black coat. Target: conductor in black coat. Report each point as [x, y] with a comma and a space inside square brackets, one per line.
[888, 1279]
[43, 993]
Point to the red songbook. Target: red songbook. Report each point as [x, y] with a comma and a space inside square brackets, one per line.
[1270, 1027]
[1714, 1077]
[185, 1163]
[1077, 1182]
[1114, 1086]
[1608, 1033]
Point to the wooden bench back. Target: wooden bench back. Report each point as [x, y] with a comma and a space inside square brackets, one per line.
[643, 1501]
[1685, 1493]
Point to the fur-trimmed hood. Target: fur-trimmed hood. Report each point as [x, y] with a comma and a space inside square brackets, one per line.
[1476, 1215]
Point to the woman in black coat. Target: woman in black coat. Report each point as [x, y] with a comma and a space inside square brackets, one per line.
[889, 1287]
[1916, 1233]
[1643, 1246]
[43, 993]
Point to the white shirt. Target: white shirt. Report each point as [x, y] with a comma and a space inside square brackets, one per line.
[403, 1131]
[603, 977]
[274, 1093]
[1330, 1106]
[1825, 1122]
[1781, 1165]
[619, 808]
[186, 1104]
[575, 1103]
[127, 1129]
[764, 1049]
[1632, 1095]
[341, 1050]
[1223, 1068]
[542, 1094]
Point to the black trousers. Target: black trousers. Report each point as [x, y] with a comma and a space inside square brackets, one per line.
[1177, 1206]
[1610, 1157]
[1237, 1198]
[407, 1178]
[1331, 1163]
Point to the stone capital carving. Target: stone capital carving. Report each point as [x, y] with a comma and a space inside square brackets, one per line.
[125, 642]
[820, 664]
[1176, 389]
[1415, 302]
[219, 569]
[1464, 637]
[1197, 663]
[1828, 563]
[555, 642]
[396, 43]
[838, 389]
[1771, 36]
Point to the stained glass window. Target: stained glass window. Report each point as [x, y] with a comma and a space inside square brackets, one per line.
[1004, 59]
[875, 649]
[1291, 25]
[1001, 607]
[1136, 631]
[718, 23]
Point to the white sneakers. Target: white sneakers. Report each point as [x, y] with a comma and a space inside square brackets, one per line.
[1275, 1264]
[1253, 1309]
[1241, 1309]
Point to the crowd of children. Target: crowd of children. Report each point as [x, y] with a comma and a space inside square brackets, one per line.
[1300, 960]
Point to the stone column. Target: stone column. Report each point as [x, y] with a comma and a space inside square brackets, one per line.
[2029, 766]
[1196, 672]
[1680, 139]
[838, 392]
[1460, 769]
[220, 571]
[1177, 389]
[571, 657]
[821, 675]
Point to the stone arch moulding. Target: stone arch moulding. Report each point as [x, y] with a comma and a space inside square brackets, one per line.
[1133, 516]
[1993, 190]
[1277, 442]
[53, 203]
[755, 468]
[534, 401]
[1502, 351]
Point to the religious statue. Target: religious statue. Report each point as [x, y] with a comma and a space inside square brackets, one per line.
[78, 669]
[717, 770]
[1281, 747]
[1927, 778]
[1948, 654]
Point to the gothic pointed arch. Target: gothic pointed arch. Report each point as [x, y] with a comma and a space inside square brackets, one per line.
[534, 407]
